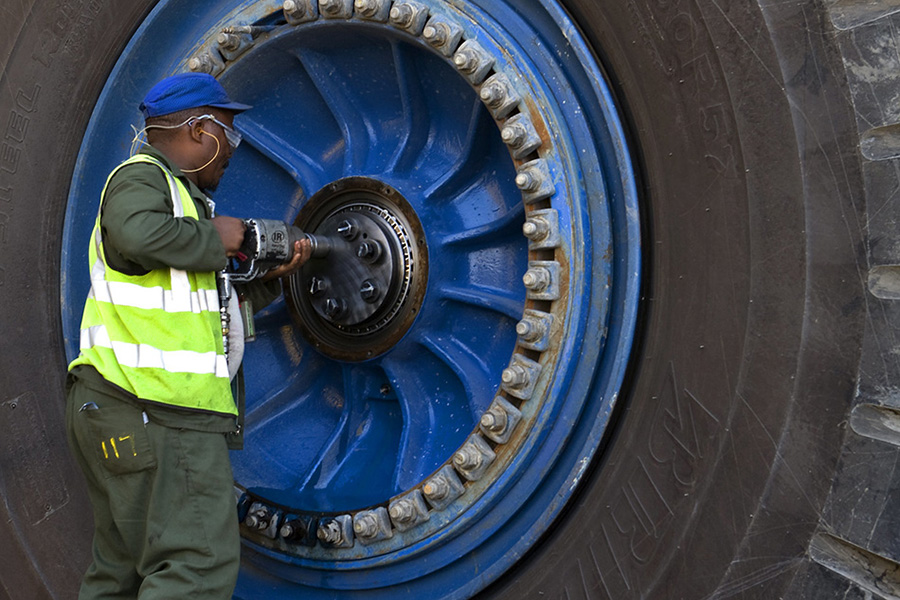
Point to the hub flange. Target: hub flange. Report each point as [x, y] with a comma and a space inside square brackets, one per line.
[356, 302]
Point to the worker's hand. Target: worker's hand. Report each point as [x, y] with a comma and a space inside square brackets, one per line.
[231, 231]
[302, 252]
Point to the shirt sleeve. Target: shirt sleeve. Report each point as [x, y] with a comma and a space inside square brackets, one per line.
[140, 233]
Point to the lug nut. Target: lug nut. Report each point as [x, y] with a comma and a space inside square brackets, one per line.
[368, 291]
[442, 34]
[293, 10]
[474, 458]
[369, 251]
[536, 228]
[348, 229]
[528, 180]
[257, 519]
[437, 488]
[202, 63]
[334, 307]
[251, 521]
[330, 7]
[473, 61]
[403, 511]
[317, 285]
[329, 532]
[436, 34]
[514, 135]
[402, 15]
[467, 458]
[529, 330]
[367, 8]
[514, 376]
[495, 420]
[520, 135]
[292, 530]
[443, 488]
[366, 526]
[228, 41]
[536, 279]
[493, 94]
[465, 61]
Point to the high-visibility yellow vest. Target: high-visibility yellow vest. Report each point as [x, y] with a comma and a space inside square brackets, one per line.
[158, 335]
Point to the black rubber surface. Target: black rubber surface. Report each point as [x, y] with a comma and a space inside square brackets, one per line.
[754, 456]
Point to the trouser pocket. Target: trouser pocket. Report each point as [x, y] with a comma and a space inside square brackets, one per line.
[118, 437]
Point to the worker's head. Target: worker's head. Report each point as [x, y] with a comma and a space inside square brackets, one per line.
[191, 118]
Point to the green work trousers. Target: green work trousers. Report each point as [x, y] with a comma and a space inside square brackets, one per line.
[165, 519]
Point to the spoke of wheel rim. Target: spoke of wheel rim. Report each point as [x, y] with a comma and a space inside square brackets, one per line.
[496, 300]
[356, 132]
[474, 375]
[472, 158]
[507, 224]
[302, 168]
[328, 459]
[302, 386]
[415, 111]
[427, 437]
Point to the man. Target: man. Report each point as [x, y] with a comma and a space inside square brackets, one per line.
[150, 409]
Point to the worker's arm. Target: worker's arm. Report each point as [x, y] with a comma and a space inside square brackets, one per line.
[140, 232]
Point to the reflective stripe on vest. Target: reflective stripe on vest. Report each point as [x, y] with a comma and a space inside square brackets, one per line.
[157, 335]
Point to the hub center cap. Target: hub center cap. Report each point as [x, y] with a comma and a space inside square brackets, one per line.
[357, 301]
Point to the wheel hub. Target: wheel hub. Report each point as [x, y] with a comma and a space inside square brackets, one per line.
[356, 302]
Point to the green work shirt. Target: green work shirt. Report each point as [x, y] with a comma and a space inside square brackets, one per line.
[141, 234]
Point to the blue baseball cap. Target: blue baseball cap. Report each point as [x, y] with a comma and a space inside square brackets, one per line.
[187, 90]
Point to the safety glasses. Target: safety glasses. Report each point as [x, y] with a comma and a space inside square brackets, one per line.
[234, 138]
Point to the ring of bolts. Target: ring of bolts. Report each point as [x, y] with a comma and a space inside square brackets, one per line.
[542, 280]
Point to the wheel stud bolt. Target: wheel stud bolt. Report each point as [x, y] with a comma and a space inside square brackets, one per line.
[258, 519]
[228, 41]
[515, 376]
[536, 228]
[369, 251]
[514, 135]
[330, 7]
[317, 285]
[366, 526]
[201, 63]
[437, 488]
[492, 94]
[436, 34]
[294, 10]
[536, 279]
[467, 458]
[334, 307]
[368, 291]
[529, 330]
[367, 8]
[329, 532]
[401, 15]
[494, 420]
[403, 511]
[528, 180]
[466, 62]
[286, 531]
[348, 229]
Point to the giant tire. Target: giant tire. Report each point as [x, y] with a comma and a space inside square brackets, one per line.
[758, 407]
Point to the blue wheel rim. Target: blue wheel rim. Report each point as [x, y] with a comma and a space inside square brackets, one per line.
[358, 97]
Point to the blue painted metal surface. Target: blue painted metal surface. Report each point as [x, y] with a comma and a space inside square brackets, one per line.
[335, 98]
